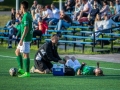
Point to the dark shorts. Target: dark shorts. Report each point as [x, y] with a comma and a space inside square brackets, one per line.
[85, 14]
[43, 65]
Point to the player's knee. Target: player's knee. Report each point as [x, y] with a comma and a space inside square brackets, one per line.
[17, 52]
[26, 55]
[47, 71]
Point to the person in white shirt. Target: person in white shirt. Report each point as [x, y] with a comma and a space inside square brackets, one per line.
[78, 8]
[106, 24]
[56, 15]
[72, 62]
[86, 9]
[48, 14]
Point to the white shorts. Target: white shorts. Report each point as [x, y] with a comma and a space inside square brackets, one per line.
[25, 48]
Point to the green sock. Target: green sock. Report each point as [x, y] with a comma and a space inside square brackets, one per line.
[27, 64]
[20, 61]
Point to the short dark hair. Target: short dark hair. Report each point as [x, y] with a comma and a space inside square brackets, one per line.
[25, 4]
[55, 35]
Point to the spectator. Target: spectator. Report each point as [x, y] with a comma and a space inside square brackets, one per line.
[40, 29]
[92, 14]
[97, 3]
[65, 21]
[105, 9]
[112, 8]
[34, 6]
[46, 53]
[97, 25]
[48, 14]
[13, 18]
[69, 5]
[106, 24]
[78, 8]
[56, 15]
[86, 9]
[117, 7]
[14, 31]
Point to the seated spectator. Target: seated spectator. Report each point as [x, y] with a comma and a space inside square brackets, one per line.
[88, 70]
[40, 29]
[105, 9]
[117, 7]
[106, 24]
[65, 21]
[92, 15]
[14, 32]
[78, 8]
[72, 62]
[96, 2]
[69, 5]
[97, 25]
[48, 15]
[112, 8]
[56, 15]
[86, 9]
[13, 18]
[45, 55]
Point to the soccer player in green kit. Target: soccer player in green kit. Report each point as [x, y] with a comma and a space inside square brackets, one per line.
[26, 38]
[87, 70]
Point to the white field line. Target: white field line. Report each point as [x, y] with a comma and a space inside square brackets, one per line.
[33, 59]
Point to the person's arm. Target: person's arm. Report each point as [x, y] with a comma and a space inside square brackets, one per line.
[85, 70]
[112, 22]
[26, 28]
[86, 9]
[49, 53]
[104, 9]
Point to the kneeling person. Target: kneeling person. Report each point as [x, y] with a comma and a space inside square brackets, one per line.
[46, 53]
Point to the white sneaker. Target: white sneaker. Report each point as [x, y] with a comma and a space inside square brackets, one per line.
[32, 69]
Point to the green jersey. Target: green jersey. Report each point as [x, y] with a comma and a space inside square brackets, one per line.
[27, 21]
[87, 70]
[18, 27]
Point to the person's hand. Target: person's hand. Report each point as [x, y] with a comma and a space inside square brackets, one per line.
[61, 61]
[21, 43]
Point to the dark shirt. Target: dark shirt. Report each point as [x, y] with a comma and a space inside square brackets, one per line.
[13, 17]
[67, 18]
[94, 12]
[50, 50]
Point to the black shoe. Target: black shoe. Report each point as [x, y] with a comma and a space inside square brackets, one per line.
[9, 47]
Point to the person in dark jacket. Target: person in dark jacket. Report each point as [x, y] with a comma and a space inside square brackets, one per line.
[46, 53]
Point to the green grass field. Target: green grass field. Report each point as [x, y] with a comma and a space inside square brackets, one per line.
[110, 81]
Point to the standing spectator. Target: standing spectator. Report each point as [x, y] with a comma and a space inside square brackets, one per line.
[56, 15]
[34, 6]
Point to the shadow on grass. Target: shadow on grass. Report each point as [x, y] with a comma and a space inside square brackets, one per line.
[35, 75]
[82, 76]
